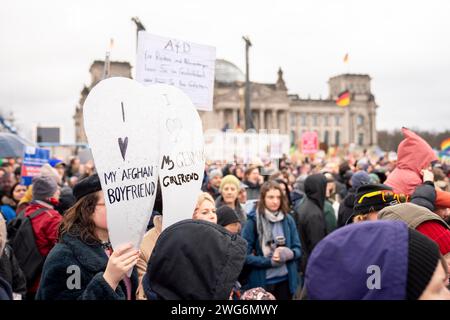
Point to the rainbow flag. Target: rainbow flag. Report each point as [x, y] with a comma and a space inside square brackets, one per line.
[445, 145]
[343, 99]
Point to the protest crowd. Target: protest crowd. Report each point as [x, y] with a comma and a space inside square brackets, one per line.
[336, 228]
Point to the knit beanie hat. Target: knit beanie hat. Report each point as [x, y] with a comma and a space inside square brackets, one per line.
[438, 232]
[373, 197]
[214, 173]
[49, 171]
[360, 178]
[44, 187]
[230, 179]
[423, 256]
[226, 216]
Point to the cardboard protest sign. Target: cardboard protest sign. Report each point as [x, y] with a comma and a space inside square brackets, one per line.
[182, 160]
[121, 120]
[185, 65]
[310, 142]
[33, 160]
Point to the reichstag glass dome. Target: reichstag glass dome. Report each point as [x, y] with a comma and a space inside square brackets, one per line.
[228, 72]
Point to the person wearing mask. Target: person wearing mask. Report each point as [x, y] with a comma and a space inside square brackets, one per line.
[273, 245]
[229, 192]
[310, 217]
[194, 260]
[84, 242]
[376, 260]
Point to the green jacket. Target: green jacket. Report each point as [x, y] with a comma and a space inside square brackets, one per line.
[330, 217]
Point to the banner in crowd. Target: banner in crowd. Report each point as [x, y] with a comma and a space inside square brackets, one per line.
[182, 64]
[121, 120]
[33, 160]
[245, 147]
[310, 142]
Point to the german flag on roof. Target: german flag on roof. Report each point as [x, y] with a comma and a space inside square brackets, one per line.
[343, 99]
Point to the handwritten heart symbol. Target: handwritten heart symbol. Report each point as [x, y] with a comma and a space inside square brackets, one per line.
[174, 127]
[123, 144]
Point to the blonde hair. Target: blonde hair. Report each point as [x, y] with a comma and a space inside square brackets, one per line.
[203, 196]
[360, 218]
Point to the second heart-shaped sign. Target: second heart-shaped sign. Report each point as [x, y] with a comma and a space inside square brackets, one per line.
[139, 135]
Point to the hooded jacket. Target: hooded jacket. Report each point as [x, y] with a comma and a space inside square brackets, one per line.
[414, 154]
[310, 217]
[91, 261]
[341, 265]
[194, 260]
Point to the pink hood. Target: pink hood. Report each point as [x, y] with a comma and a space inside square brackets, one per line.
[414, 154]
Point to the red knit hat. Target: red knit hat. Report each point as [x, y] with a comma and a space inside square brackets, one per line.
[438, 233]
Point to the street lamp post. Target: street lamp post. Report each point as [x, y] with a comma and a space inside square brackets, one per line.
[139, 27]
[248, 114]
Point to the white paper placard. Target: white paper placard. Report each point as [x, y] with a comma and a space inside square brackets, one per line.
[185, 65]
[121, 120]
[182, 160]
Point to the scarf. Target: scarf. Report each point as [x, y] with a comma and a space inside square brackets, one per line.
[264, 227]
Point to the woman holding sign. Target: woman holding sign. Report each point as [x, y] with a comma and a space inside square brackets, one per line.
[273, 245]
[82, 265]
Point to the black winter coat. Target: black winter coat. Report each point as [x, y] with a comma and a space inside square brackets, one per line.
[425, 195]
[346, 208]
[310, 217]
[11, 272]
[5, 290]
[92, 261]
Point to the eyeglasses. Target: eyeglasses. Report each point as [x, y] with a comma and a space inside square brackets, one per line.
[387, 196]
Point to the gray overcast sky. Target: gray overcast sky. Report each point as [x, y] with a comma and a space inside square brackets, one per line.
[46, 48]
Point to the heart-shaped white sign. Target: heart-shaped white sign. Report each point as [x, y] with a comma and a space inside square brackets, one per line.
[121, 120]
[182, 160]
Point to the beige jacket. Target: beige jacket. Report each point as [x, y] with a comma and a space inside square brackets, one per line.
[410, 213]
[147, 245]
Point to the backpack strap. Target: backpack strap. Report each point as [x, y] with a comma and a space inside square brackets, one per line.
[22, 212]
[36, 213]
